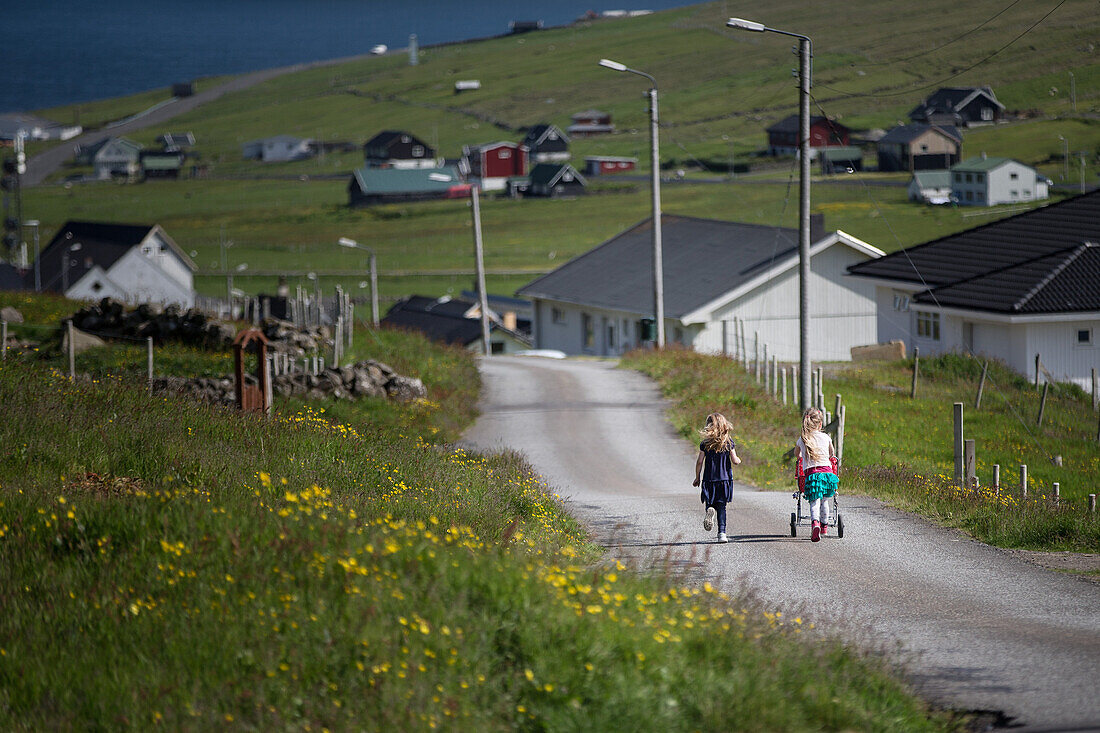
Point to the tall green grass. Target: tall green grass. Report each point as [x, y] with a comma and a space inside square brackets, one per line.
[901, 449]
[163, 563]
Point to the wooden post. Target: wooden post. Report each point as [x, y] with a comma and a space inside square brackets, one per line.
[1042, 404]
[840, 417]
[756, 355]
[149, 358]
[836, 409]
[916, 372]
[1057, 492]
[72, 351]
[820, 388]
[1037, 364]
[996, 478]
[744, 347]
[268, 391]
[1098, 431]
[725, 338]
[337, 341]
[1092, 503]
[794, 385]
[1095, 389]
[783, 378]
[958, 433]
[4, 340]
[765, 370]
[968, 460]
[1023, 480]
[981, 385]
[775, 377]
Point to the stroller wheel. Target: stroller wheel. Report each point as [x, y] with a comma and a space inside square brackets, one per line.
[794, 525]
[839, 526]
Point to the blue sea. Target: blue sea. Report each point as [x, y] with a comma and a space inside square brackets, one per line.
[64, 51]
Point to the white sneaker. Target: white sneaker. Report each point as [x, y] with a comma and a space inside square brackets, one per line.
[722, 539]
[708, 520]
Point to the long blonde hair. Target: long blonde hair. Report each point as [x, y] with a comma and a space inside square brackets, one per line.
[812, 420]
[716, 433]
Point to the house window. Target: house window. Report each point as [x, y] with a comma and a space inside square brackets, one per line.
[969, 178]
[987, 113]
[1013, 176]
[557, 315]
[147, 250]
[97, 286]
[678, 335]
[496, 347]
[1014, 193]
[1027, 193]
[969, 195]
[928, 325]
[901, 302]
[611, 336]
[1084, 336]
[924, 148]
[979, 178]
[418, 151]
[588, 332]
[504, 154]
[958, 178]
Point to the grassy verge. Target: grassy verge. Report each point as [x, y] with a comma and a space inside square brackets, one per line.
[166, 563]
[901, 450]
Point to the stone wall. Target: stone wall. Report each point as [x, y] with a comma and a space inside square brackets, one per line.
[366, 379]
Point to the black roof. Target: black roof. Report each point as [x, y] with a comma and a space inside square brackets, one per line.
[790, 124]
[910, 132]
[547, 174]
[387, 137]
[1034, 262]
[703, 259]
[440, 319]
[949, 99]
[536, 134]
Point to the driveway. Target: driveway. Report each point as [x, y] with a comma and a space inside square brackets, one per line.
[982, 628]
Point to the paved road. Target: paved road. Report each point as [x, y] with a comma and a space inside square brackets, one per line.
[42, 165]
[985, 629]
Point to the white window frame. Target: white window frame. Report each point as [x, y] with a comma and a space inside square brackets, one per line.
[928, 325]
[1087, 342]
[557, 315]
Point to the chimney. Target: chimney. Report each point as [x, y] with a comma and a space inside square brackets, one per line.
[983, 155]
[817, 227]
[510, 320]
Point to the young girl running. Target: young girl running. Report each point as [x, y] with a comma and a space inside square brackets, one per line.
[821, 481]
[717, 455]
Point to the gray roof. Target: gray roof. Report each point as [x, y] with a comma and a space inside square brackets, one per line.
[703, 260]
[908, 133]
[933, 179]
[406, 180]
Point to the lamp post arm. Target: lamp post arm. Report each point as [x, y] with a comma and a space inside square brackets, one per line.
[810, 48]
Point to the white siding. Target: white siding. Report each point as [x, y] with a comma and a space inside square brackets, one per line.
[1062, 355]
[614, 332]
[145, 282]
[843, 312]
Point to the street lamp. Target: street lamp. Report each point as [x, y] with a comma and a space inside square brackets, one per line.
[805, 73]
[352, 244]
[655, 177]
[37, 267]
[65, 266]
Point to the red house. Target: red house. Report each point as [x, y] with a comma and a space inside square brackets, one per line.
[492, 164]
[824, 133]
[602, 165]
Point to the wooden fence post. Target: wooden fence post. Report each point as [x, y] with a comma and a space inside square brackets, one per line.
[916, 371]
[775, 377]
[996, 478]
[1042, 404]
[820, 388]
[4, 340]
[1023, 480]
[267, 386]
[981, 385]
[1057, 492]
[1037, 364]
[968, 461]
[840, 417]
[958, 443]
[756, 355]
[1095, 389]
[794, 386]
[783, 378]
[1092, 503]
[72, 350]
[725, 338]
[765, 369]
[149, 359]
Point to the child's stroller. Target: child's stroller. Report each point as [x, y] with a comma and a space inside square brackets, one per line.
[797, 517]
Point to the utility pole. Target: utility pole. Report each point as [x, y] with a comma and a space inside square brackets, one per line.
[483, 299]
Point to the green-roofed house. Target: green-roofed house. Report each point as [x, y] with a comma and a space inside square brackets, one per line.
[987, 181]
[931, 187]
[369, 186]
[844, 159]
[161, 163]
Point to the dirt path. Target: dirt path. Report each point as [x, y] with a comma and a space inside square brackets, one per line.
[985, 629]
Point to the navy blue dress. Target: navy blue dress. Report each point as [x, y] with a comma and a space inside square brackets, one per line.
[717, 479]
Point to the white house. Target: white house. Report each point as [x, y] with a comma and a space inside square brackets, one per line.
[277, 149]
[132, 263]
[1012, 289]
[986, 181]
[714, 272]
[118, 158]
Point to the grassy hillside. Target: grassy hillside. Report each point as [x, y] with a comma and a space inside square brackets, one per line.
[900, 449]
[169, 564]
[719, 89]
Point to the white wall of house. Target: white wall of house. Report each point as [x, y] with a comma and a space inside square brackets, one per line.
[1068, 345]
[843, 312]
[1010, 183]
[576, 329]
[277, 150]
[412, 163]
[138, 277]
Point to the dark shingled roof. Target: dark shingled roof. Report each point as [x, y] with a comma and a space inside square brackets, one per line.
[100, 244]
[703, 260]
[441, 320]
[1029, 263]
